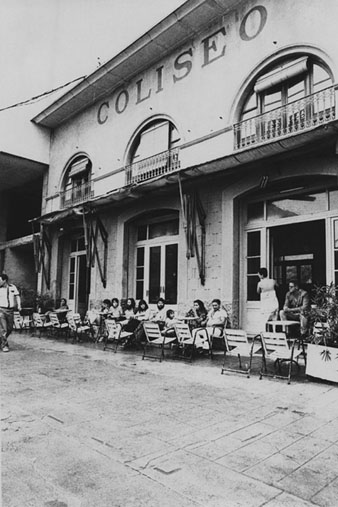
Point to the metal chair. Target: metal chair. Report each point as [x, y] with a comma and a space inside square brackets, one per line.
[275, 346]
[40, 324]
[155, 339]
[186, 346]
[59, 328]
[115, 335]
[237, 344]
[18, 321]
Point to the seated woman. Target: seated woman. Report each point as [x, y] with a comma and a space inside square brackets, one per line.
[129, 323]
[198, 314]
[115, 311]
[142, 314]
[63, 304]
[214, 324]
[105, 308]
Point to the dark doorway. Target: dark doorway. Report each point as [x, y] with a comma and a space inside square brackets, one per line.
[298, 252]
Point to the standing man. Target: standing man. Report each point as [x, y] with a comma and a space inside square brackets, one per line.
[296, 306]
[9, 301]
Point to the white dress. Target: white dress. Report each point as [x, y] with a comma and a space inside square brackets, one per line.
[269, 301]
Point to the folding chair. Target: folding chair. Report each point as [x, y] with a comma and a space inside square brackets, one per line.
[40, 324]
[82, 329]
[18, 321]
[115, 335]
[94, 321]
[237, 344]
[275, 346]
[154, 338]
[59, 328]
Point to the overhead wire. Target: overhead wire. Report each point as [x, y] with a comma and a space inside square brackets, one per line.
[41, 95]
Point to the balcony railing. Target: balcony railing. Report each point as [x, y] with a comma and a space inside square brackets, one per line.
[307, 113]
[76, 194]
[151, 167]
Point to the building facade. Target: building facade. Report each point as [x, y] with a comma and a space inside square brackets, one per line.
[205, 150]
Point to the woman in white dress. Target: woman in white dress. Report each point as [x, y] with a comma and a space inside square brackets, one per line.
[266, 287]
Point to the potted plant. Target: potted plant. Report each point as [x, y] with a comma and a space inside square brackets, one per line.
[322, 352]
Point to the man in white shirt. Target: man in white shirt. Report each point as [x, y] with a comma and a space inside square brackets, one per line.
[160, 314]
[9, 301]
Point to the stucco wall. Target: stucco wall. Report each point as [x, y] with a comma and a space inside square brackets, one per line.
[204, 99]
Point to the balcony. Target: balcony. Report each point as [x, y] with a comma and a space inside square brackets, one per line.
[151, 167]
[76, 194]
[305, 114]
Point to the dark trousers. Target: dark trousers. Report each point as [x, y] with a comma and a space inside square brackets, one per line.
[6, 325]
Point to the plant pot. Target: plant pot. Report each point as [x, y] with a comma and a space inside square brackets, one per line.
[322, 362]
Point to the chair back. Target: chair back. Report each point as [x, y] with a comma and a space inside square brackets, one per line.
[183, 332]
[37, 320]
[77, 319]
[234, 338]
[54, 319]
[275, 343]
[152, 331]
[18, 321]
[113, 329]
[71, 321]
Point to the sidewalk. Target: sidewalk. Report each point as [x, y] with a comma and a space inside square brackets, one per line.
[83, 428]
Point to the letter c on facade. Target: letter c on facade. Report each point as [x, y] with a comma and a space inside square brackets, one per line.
[100, 118]
[262, 20]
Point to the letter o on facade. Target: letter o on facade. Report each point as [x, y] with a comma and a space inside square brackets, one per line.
[121, 101]
[258, 27]
[100, 117]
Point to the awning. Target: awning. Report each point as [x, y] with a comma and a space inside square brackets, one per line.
[78, 167]
[281, 74]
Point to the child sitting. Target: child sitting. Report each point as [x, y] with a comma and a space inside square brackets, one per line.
[169, 324]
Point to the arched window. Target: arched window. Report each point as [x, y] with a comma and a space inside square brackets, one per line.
[288, 97]
[77, 182]
[154, 151]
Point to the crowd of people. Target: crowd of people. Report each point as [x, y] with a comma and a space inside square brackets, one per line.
[204, 324]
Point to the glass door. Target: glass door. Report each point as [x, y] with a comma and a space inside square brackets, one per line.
[77, 288]
[156, 272]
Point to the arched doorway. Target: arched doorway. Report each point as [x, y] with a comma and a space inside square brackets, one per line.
[293, 232]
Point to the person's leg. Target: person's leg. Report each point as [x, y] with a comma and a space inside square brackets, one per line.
[285, 315]
[3, 329]
[6, 327]
[304, 325]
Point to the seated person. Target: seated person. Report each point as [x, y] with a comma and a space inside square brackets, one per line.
[142, 311]
[63, 304]
[169, 324]
[142, 314]
[214, 324]
[129, 323]
[159, 314]
[93, 319]
[199, 314]
[105, 308]
[296, 306]
[115, 311]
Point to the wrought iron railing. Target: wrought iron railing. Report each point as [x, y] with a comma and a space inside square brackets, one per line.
[76, 194]
[151, 167]
[307, 113]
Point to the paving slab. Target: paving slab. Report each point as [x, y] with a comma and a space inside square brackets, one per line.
[82, 427]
